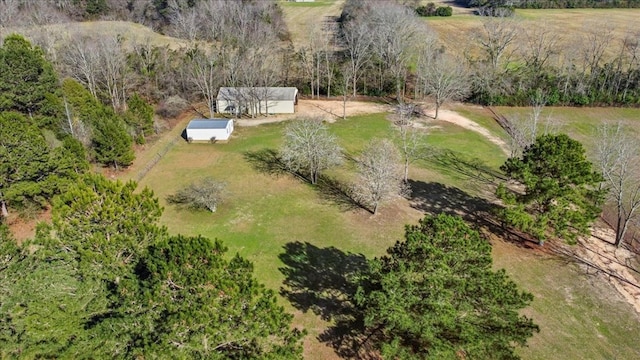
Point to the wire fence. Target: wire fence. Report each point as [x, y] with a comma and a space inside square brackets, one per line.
[156, 158]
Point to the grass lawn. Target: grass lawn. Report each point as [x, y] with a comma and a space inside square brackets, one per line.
[582, 123]
[267, 211]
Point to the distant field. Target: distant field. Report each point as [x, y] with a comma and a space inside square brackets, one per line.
[456, 32]
[304, 18]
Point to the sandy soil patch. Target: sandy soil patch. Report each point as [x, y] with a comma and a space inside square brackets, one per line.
[329, 110]
[597, 254]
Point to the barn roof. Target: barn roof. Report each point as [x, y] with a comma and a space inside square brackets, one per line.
[208, 124]
[273, 93]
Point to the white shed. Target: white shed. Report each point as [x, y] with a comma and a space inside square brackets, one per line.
[257, 100]
[209, 129]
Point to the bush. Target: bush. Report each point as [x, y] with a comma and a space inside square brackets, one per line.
[205, 194]
[444, 11]
[426, 10]
[172, 107]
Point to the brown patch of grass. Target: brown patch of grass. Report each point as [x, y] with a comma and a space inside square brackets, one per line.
[456, 32]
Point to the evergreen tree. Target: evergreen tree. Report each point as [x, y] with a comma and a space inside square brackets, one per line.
[201, 305]
[30, 172]
[561, 191]
[26, 77]
[435, 296]
[111, 142]
[139, 116]
[105, 281]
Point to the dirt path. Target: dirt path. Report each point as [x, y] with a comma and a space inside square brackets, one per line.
[455, 118]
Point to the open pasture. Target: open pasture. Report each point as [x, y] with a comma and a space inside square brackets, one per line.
[270, 215]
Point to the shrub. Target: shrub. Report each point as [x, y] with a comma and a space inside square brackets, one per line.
[172, 107]
[444, 11]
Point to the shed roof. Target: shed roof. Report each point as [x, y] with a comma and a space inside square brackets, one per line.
[273, 93]
[208, 124]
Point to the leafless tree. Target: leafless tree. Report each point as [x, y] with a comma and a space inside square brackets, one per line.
[204, 73]
[113, 70]
[410, 138]
[357, 41]
[593, 43]
[524, 131]
[619, 157]
[82, 62]
[496, 36]
[205, 194]
[185, 22]
[379, 175]
[443, 77]
[396, 31]
[75, 126]
[540, 43]
[309, 148]
[347, 75]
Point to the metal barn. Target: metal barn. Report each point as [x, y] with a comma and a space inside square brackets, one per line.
[209, 129]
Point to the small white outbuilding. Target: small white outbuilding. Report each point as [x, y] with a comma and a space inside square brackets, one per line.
[209, 129]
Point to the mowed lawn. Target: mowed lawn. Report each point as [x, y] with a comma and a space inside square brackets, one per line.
[581, 123]
[266, 211]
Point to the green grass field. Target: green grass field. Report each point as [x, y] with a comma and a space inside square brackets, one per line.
[580, 317]
[581, 123]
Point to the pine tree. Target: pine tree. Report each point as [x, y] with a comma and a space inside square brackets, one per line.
[436, 296]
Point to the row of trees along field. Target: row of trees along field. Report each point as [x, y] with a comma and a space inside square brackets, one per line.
[377, 48]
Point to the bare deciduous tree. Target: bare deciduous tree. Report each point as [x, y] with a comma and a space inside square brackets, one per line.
[523, 132]
[411, 141]
[80, 57]
[204, 72]
[619, 157]
[443, 77]
[113, 70]
[495, 38]
[379, 175]
[539, 45]
[357, 41]
[396, 31]
[205, 194]
[309, 148]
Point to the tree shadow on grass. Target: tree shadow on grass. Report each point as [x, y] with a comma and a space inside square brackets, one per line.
[473, 169]
[435, 198]
[322, 280]
[268, 161]
[338, 193]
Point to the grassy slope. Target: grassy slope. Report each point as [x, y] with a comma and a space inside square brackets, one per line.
[303, 18]
[267, 211]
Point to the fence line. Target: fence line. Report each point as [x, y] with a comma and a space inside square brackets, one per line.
[142, 173]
